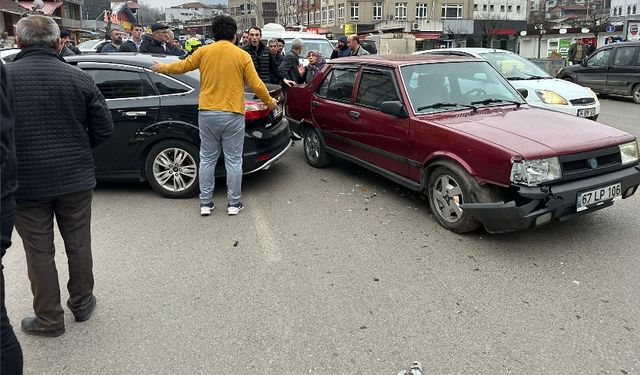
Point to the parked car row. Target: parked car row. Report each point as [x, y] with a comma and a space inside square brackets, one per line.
[537, 86]
[454, 128]
[611, 69]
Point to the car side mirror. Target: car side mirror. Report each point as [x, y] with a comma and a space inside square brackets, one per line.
[523, 92]
[583, 62]
[393, 108]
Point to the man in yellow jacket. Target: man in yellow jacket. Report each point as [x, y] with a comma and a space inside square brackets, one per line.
[224, 70]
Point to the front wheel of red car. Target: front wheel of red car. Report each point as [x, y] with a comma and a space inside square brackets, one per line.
[314, 150]
[447, 189]
[172, 169]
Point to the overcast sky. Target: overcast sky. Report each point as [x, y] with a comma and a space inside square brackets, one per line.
[169, 3]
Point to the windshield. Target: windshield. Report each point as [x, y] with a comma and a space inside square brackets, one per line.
[322, 45]
[89, 44]
[515, 67]
[437, 87]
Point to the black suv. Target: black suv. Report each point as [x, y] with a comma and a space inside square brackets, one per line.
[611, 69]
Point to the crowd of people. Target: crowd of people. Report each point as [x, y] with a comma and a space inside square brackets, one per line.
[53, 177]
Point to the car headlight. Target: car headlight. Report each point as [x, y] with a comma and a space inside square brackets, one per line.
[534, 172]
[551, 97]
[629, 152]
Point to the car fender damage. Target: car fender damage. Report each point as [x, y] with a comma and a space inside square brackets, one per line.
[543, 204]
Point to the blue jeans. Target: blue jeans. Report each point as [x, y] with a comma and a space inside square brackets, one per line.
[221, 131]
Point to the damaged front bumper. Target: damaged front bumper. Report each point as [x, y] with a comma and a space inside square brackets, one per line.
[549, 202]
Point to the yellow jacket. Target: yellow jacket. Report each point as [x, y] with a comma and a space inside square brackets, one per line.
[224, 71]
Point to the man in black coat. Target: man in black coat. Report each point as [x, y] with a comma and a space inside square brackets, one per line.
[263, 61]
[291, 71]
[158, 42]
[133, 44]
[60, 116]
[10, 350]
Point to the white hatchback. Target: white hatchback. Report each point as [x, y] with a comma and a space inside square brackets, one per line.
[543, 91]
[311, 41]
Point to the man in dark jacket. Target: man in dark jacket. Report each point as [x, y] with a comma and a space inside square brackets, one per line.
[60, 116]
[133, 44]
[65, 37]
[10, 350]
[291, 71]
[158, 42]
[263, 61]
[342, 49]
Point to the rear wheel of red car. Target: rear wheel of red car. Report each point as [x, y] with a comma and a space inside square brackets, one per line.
[314, 150]
[449, 187]
[636, 94]
[172, 169]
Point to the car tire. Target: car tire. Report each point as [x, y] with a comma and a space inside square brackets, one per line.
[447, 188]
[171, 168]
[314, 150]
[635, 93]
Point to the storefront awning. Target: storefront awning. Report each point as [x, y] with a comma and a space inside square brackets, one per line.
[430, 36]
[49, 6]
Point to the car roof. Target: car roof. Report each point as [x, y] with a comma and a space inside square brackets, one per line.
[401, 60]
[475, 51]
[143, 60]
[291, 35]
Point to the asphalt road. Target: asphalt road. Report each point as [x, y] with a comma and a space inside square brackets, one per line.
[338, 271]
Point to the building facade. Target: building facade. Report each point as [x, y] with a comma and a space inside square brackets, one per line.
[191, 12]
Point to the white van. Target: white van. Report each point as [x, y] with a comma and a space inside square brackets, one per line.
[311, 41]
[544, 91]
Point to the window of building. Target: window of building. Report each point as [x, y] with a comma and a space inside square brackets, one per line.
[475, 7]
[491, 7]
[629, 10]
[401, 11]
[510, 8]
[377, 11]
[421, 10]
[518, 8]
[355, 11]
[325, 15]
[502, 8]
[452, 11]
[340, 12]
[484, 7]
[634, 9]
[306, 19]
[332, 14]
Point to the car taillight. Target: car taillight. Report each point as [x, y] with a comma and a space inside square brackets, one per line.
[255, 110]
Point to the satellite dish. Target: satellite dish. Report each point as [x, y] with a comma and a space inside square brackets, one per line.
[38, 4]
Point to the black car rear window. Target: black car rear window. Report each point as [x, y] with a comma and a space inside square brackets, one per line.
[120, 84]
[167, 86]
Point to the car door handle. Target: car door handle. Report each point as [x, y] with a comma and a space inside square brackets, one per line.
[314, 104]
[134, 113]
[354, 114]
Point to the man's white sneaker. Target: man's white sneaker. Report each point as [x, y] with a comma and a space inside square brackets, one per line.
[205, 209]
[233, 210]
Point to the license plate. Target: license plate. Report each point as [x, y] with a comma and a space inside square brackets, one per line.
[587, 112]
[590, 198]
[277, 112]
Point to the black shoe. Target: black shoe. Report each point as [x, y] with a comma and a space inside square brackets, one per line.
[84, 314]
[32, 326]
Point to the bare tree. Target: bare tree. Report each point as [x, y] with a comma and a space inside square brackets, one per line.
[457, 34]
[597, 23]
[488, 23]
[541, 25]
[147, 14]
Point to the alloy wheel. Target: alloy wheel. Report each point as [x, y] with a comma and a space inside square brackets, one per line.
[447, 197]
[312, 146]
[175, 169]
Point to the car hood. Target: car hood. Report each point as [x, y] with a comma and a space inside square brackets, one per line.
[566, 89]
[534, 133]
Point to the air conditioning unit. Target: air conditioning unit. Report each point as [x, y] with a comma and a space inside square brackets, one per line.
[415, 26]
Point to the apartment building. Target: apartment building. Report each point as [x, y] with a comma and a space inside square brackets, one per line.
[190, 12]
[249, 13]
[500, 9]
